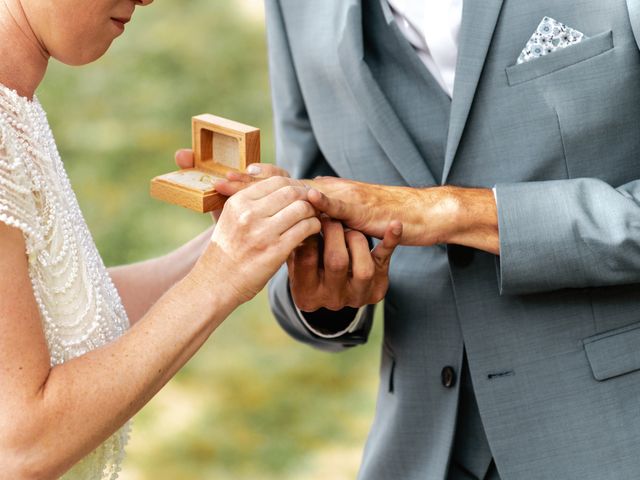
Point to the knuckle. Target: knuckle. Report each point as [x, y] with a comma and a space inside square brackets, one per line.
[233, 203]
[334, 305]
[302, 301]
[259, 245]
[356, 302]
[364, 274]
[276, 181]
[311, 211]
[336, 262]
[289, 193]
[274, 170]
[244, 218]
[314, 225]
[355, 237]
[303, 209]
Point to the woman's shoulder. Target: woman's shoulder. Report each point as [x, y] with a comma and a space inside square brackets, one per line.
[19, 131]
[15, 177]
[18, 191]
[12, 128]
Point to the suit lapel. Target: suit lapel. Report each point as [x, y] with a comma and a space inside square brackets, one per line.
[479, 21]
[634, 15]
[378, 113]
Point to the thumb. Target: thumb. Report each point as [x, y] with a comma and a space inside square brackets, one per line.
[184, 158]
[383, 251]
[332, 207]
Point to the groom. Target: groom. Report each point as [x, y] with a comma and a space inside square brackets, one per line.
[512, 325]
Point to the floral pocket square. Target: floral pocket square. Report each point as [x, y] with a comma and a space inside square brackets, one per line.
[550, 36]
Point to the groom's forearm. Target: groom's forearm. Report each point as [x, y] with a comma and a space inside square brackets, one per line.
[430, 216]
[444, 215]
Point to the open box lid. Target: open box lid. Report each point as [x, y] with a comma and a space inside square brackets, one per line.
[220, 145]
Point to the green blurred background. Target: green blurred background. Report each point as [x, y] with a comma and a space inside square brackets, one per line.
[253, 404]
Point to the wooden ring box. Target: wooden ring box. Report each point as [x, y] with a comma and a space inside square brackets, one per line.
[219, 146]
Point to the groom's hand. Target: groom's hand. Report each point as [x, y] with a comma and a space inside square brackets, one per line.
[337, 269]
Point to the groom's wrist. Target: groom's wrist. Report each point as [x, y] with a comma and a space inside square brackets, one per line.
[473, 218]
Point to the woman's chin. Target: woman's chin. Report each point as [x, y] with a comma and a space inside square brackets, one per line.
[78, 58]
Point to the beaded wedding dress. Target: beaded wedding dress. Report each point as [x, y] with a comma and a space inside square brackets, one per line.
[79, 306]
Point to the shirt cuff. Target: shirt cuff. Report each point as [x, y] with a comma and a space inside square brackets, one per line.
[352, 327]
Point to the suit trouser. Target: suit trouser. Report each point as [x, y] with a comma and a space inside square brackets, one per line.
[471, 457]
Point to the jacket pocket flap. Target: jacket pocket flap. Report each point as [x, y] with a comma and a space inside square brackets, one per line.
[560, 59]
[615, 352]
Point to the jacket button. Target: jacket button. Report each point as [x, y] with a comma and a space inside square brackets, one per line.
[460, 256]
[448, 376]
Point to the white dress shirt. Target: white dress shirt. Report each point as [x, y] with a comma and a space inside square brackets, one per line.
[432, 28]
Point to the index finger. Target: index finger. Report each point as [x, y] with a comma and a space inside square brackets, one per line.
[238, 181]
[229, 188]
[256, 190]
[266, 170]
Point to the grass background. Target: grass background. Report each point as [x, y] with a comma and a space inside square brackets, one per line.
[253, 404]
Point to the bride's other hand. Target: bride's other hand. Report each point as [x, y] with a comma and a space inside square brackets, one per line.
[236, 180]
[258, 228]
[254, 172]
[184, 158]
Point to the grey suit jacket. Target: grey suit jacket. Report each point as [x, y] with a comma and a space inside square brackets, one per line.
[552, 326]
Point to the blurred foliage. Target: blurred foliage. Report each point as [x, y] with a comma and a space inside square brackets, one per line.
[253, 403]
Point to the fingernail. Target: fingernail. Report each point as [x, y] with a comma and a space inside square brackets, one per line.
[254, 169]
[397, 230]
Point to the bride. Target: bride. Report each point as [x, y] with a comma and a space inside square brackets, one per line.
[82, 349]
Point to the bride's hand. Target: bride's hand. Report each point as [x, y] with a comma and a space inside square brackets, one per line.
[184, 158]
[257, 171]
[258, 228]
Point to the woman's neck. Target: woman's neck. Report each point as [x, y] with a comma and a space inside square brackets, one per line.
[24, 58]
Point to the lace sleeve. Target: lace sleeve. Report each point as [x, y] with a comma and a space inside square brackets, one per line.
[18, 205]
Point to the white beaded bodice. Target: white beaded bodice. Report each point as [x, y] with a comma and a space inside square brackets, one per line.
[79, 305]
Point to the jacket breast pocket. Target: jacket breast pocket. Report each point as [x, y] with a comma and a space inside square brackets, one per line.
[615, 352]
[560, 59]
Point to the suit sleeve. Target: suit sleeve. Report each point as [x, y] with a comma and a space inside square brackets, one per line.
[568, 234]
[297, 151]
